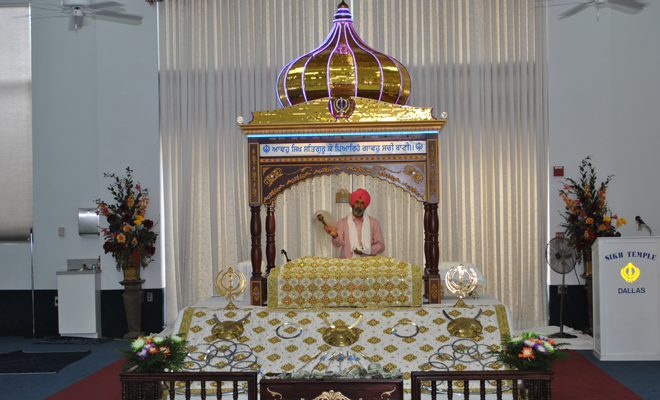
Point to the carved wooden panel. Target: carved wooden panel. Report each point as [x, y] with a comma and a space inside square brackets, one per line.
[339, 389]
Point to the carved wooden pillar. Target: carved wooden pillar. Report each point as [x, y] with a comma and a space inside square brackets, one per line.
[270, 237]
[257, 295]
[431, 242]
[426, 250]
[427, 216]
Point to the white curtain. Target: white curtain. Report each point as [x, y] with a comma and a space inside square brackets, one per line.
[481, 61]
[16, 198]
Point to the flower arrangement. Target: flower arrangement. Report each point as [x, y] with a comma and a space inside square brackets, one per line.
[530, 352]
[587, 215]
[129, 238]
[155, 354]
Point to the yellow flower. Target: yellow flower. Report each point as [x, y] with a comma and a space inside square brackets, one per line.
[621, 221]
[127, 228]
[589, 221]
[138, 220]
[121, 238]
[607, 219]
[130, 201]
[134, 242]
[601, 227]
[586, 234]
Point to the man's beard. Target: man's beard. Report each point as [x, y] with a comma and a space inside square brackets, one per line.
[357, 211]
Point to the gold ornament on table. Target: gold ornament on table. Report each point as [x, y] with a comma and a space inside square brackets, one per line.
[464, 327]
[341, 336]
[461, 289]
[229, 330]
[230, 291]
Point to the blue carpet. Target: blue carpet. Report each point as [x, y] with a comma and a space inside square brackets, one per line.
[23, 387]
[639, 376]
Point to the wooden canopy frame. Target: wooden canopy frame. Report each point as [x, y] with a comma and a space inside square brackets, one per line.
[398, 144]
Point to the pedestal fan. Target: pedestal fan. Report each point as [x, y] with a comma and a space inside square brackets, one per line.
[561, 257]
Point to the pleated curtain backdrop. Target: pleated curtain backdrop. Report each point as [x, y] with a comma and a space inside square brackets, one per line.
[481, 61]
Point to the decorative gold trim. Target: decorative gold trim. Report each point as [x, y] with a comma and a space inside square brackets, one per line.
[270, 178]
[274, 393]
[502, 319]
[335, 127]
[331, 395]
[413, 173]
[432, 174]
[364, 111]
[393, 390]
[342, 159]
[255, 187]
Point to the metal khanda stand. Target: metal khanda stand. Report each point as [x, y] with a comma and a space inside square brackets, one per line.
[230, 291]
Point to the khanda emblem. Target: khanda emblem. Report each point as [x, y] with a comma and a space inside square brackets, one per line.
[341, 107]
[630, 273]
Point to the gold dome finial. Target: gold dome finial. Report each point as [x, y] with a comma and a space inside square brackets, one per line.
[344, 66]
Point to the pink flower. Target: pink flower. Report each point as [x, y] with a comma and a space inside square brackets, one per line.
[583, 214]
[566, 187]
[614, 216]
[137, 187]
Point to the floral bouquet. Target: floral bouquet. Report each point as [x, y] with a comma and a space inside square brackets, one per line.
[129, 237]
[155, 354]
[587, 215]
[531, 351]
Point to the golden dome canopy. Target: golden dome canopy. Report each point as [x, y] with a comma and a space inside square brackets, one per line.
[343, 66]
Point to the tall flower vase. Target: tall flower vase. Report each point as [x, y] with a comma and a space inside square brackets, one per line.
[133, 295]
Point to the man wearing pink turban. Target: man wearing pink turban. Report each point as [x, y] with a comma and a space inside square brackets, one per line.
[352, 230]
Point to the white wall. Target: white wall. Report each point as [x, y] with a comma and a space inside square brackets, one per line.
[604, 98]
[95, 110]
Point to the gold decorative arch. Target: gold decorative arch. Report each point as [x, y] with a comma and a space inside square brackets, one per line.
[398, 144]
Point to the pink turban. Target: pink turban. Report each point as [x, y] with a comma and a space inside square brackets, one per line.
[360, 194]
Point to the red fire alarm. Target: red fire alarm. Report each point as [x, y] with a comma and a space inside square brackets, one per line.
[558, 171]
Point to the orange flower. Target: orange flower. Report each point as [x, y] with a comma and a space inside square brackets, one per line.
[601, 227]
[527, 353]
[127, 228]
[589, 221]
[130, 201]
[121, 238]
[134, 242]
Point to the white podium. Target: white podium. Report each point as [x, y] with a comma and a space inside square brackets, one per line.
[79, 295]
[625, 298]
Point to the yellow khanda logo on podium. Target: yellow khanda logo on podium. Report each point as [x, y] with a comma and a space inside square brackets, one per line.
[630, 273]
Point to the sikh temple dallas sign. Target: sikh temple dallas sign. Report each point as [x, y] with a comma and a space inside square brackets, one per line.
[626, 302]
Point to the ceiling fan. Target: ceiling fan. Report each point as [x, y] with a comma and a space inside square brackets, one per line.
[630, 5]
[78, 9]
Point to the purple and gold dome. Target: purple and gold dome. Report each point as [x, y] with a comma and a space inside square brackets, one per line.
[343, 66]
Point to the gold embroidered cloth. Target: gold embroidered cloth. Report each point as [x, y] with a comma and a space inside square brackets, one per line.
[366, 282]
[276, 354]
